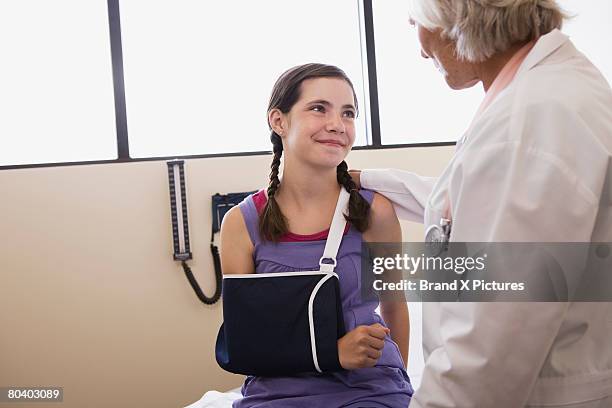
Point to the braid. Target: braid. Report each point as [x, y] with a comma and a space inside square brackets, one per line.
[277, 149]
[359, 208]
[272, 223]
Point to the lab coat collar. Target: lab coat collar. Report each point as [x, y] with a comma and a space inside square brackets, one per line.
[546, 45]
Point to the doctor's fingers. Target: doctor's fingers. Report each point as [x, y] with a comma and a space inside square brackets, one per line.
[356, 176]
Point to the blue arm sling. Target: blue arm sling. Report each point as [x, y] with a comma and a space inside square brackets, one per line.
[279, 324]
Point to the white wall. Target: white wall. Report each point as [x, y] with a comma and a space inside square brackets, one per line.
[90, 297]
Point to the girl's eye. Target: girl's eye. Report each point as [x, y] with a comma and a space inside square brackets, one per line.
[318, 108]
[349, 114]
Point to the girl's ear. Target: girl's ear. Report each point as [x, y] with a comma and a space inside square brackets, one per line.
[277, 122]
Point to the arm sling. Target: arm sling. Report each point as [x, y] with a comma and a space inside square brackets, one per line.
[285, 323]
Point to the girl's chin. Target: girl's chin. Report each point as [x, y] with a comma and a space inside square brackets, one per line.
[328, 162]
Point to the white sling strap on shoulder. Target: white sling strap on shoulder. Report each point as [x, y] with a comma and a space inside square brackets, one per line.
[334, 238]
[336, 231]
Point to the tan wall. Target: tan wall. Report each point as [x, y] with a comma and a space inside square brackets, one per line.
[90, 297]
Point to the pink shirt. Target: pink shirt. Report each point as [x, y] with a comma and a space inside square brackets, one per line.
[260, 199]
[505, 77]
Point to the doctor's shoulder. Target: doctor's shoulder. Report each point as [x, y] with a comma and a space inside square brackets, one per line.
[384, 225]
[573, 85]
[236, 246]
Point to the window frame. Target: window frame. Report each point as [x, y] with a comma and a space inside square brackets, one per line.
[372, 120]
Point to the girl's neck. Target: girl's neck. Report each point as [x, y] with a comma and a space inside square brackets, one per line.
[302, 186]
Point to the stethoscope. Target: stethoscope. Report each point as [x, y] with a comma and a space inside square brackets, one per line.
[437, 237]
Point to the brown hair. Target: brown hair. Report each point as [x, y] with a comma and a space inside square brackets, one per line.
[286, 92]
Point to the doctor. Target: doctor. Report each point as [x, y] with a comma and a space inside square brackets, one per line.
[534, 166]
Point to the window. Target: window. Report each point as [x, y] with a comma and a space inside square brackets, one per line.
[198, 74]
[415, 104]
[56, 80]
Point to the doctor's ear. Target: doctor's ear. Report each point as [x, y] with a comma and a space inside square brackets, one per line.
[277, 122]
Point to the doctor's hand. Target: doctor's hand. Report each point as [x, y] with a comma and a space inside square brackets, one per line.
[362, 346]
[356, 176]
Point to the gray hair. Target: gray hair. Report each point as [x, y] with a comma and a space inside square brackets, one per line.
[482, 28]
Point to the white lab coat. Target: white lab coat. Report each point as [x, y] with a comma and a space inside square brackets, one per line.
[536, 166]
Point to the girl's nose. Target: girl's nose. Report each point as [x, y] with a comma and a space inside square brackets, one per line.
[335, 124]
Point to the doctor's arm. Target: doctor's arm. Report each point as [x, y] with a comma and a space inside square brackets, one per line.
[406, 190]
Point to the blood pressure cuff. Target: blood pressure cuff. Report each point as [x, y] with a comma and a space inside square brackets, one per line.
[278, 324]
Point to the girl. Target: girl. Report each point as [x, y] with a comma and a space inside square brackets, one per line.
[311, 114]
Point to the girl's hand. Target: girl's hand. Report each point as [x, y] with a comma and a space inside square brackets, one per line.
[362, 346]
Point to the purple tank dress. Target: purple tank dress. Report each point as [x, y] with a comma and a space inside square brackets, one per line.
[385, 385]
